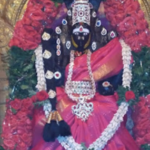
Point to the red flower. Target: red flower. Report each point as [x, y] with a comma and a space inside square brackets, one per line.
[13, 121]
[25, 138]
[9, 143]
[129, 95]
[42, 95]
[22, 146]
[22, 114]
[16, 104]
[27, 104]
[34, 98]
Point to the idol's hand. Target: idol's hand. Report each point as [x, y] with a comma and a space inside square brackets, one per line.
[106, 89]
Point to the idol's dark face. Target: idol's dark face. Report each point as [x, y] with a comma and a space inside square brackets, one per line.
[81, 36]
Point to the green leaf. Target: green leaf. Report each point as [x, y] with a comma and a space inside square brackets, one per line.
[13, 111]
[28, 67]
[83, 145]
[24, 87]
[145, 147]
[1, 148]
[21, 73]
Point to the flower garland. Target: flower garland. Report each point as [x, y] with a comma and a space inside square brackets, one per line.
[47, 108]
[128, 19]
[107, 134]
[39, 14]
[41, 82]
[126, 57]
[17, 124]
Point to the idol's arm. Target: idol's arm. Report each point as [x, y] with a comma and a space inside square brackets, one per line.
[108, 86]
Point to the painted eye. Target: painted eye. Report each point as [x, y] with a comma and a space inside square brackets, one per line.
[85, 33]
[76, 33]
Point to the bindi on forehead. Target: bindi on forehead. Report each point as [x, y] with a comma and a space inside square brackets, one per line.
[81, 29]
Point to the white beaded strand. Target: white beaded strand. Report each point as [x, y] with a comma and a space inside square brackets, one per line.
[39, 64]
[126, 57]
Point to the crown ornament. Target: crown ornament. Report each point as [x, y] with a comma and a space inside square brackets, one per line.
[81, 11]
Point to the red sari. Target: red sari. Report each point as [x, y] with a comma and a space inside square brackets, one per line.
[105, 63]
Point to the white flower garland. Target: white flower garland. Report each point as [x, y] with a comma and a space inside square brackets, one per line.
[47, 108]
[41, 82]
[127, 71]
[69, 143]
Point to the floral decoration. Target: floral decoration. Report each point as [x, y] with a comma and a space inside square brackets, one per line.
[128, 19]
[39, 64]
[39, 14]
[141, 119]
[127, 59]
[124, 15]
[129, 95]
[17, 124]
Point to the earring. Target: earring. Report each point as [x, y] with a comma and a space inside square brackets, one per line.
[98, 23]
[64, 22]
[58, 30]
[68, 44]
[94, 46]
[58, 47]
[104, 31]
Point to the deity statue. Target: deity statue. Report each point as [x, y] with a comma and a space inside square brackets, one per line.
[83, 66]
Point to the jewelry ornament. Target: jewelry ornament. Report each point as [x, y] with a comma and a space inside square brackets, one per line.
[52, 94]
[81, 11]
[112, 34]
[94, 14]
[98, 23]
[94, 46]
[47, 54]
[58, 30]
[106, 84]
[69, 13]
[83, 109]
[68, 44]
[64, 22]
[49, 74]
[58, 47]
[81, 29]
[57, 75]
[104, 31]
[46, 36]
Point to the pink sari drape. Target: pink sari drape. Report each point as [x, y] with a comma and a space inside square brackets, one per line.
[105, 62]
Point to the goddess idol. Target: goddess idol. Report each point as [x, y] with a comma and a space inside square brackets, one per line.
[82, 66]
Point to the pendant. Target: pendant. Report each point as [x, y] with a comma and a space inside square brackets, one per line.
[82, 110]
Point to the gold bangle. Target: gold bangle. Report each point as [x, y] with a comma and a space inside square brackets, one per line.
[59, 118]
[54, 115]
